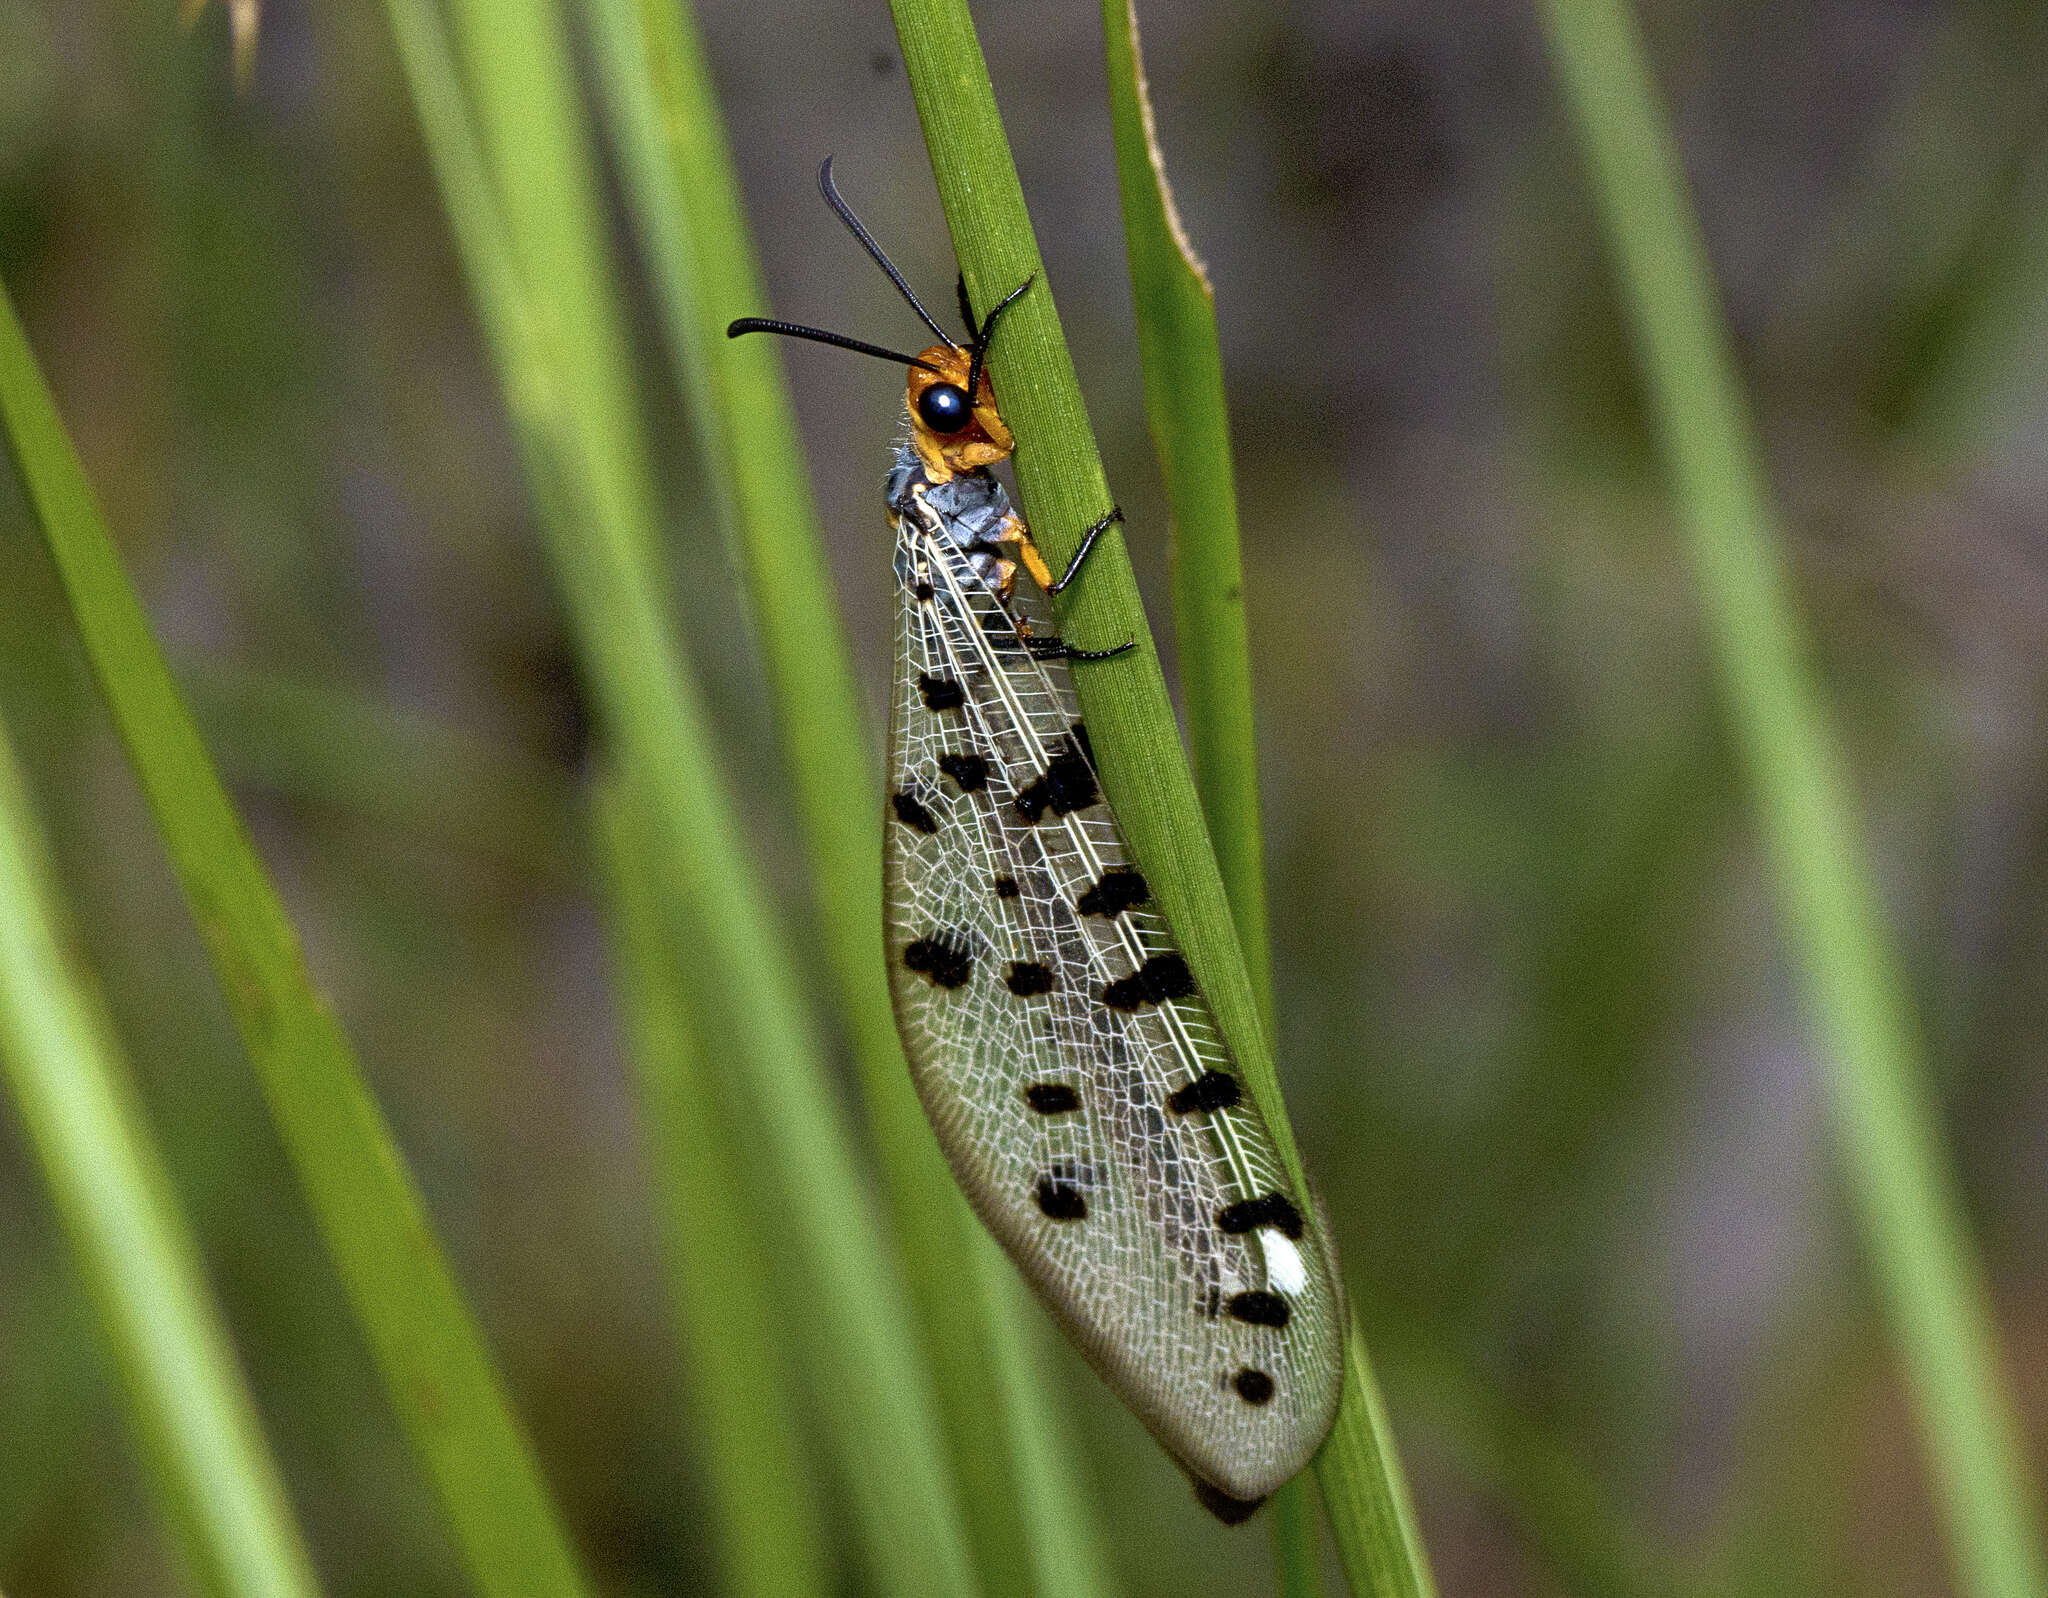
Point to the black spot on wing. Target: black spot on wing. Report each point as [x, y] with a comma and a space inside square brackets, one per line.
[1067, 784]
[1258, 1308]
[1115, 891]
[1052, 1098]
[1162, 977]
[1212, 1090]
[1083, 743]
[1254, 1387]
[943, 957]
[940, 693]
[1231, 1511]
[1167, 977]
[969, 771]
[923, 591]
[1026, 978]
[1060, 1197]
[1006, 887]
[1272, 1209]
[912, 813]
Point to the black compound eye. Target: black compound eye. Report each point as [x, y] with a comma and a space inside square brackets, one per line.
[943, 408]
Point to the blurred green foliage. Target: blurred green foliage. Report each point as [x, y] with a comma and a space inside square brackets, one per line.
[1540, 1040]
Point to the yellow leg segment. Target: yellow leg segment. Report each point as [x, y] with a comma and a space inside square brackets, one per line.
[1034, 562]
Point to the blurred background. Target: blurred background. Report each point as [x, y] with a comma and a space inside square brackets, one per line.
[1538, 1033]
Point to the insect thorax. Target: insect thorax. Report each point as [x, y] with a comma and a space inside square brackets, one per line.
[968, 510]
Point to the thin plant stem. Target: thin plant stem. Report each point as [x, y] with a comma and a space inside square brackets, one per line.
[202, 1442]
[431, 1357]
[1887, 1133]
[688, 211]
[871, 1393]
[1182, 359]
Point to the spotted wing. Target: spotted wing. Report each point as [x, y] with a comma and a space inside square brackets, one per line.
[1074, 1075]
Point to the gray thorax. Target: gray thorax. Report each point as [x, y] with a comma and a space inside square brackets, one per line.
[968, 511]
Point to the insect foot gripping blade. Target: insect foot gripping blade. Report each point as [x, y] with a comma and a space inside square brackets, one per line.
[1069, 1062]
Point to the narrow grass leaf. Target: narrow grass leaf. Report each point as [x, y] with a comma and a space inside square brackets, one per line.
[529, 126]
[191, 1410]
[871, 1396]
[766, 1517]
[419, 777]
[688, 212]
[1182, 360]
[1364, 1493]
[1886, 1132]
[436, 1372]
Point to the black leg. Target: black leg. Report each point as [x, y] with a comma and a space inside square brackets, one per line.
[1047, 647]
[1086, 655]
[988, 332]
[1087, 543]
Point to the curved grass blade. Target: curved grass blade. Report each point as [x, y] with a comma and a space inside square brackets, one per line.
[1886, 1129]
[433, 1363]
[768, 1526]
[687, 208]
[1182, 361]
[409, 772]
[201, 1438]
[871, 1396]
[1143, 766]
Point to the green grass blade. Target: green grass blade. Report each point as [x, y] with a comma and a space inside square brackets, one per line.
[767, 1527]
[435, 1369]
[1143, 765]
[686, 205]
[870, 1394]
[1563, 1510]
[1182, 359]
[1365, 1494]
[330, 747]
[1184, 402]
[1885, 1126]
[528, 123]
[192, 1413]
[687, 208]
[1061, 1529]
[1297, 1572]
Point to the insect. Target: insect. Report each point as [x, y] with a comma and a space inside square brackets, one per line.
[1076, 1079]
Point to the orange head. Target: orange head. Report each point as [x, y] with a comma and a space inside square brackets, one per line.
[953, 418]
[951, 434]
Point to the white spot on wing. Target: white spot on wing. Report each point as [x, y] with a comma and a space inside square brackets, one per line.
[1284, 1268]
